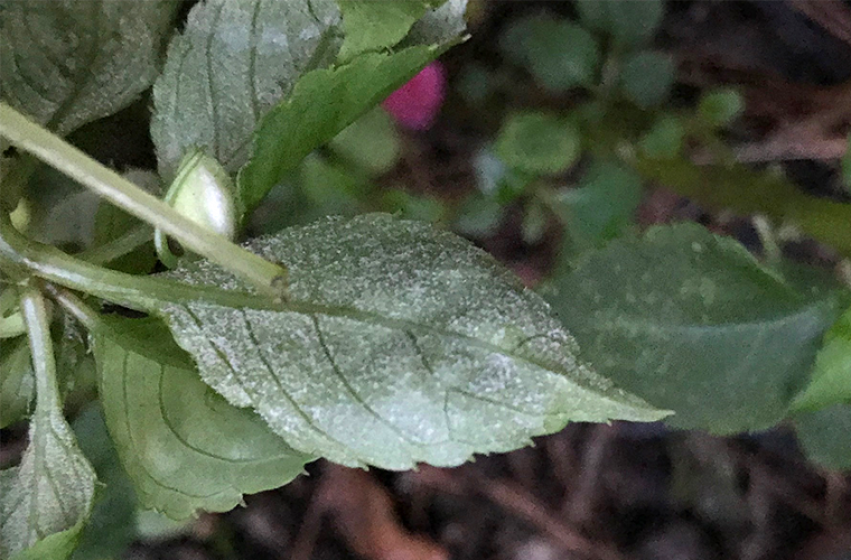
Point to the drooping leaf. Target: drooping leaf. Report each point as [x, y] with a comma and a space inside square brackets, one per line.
[323, 103]
[17, 383]
[558, 53]
[628, 22]
[538, 143]
[372, 26]
[182, 445]
[690, 321]
[45, 501]
[233, 62]
[825, 436]
[66, 63]
[831, 377]
[399, 344]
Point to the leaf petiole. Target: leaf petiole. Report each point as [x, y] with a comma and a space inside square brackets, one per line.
[269, 278]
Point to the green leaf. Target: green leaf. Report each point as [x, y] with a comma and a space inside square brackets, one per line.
[332, 189]
[831, 377]
[182, 445]
[538, 143]
[66, 63]
[478, 216]
[112, 525]
[400, 344]
[558, 53]
[323, 103]
[630, 23]
[371, 143]
[646, 78]
[233, 62]
[45, 501]
[112, 223]
[602, 205]
[372, 26]
[665, 138]
[720, 107]
[17, 383]
[690, 321]
[443, 24]
[825, 436]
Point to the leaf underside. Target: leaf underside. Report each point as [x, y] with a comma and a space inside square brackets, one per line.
[44, 501]
[183, 446]
[67, 63]
[233, 62]
[399, 344]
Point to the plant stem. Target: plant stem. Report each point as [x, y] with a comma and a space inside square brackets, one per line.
[34, 309]
[118, 247]
[746, 191]
[29, 136]
[144, 293]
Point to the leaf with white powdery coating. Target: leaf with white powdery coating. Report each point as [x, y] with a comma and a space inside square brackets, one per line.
[45, 501]
[66, 63]
[399, 344]
[182, 445]
[327, 100]
[234, 61]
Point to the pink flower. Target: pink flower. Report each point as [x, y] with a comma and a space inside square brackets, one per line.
[416, 104]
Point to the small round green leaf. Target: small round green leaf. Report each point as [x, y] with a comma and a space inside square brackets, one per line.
[558, 53]
[630, 23]
[646, 78]
[665, 138]
[538, 143]
[719, 108]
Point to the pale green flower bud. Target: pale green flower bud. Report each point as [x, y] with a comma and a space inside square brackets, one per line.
[203, 192]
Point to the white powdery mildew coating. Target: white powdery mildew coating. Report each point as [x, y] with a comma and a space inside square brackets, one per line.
[406, 344]
[231, 65]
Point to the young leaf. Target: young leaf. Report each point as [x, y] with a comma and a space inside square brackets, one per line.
[602, 205]
[183, 447]
[538, 143]
[720, 107]
[372, 26]
[825, 436]
[323, 103]
[691, 322]
[17, 384]
[558, 53]
[647, 77]
[233, 62]
[400, 344]
[831, 377]
[630, 23]
[44, 501]
[66, 63]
